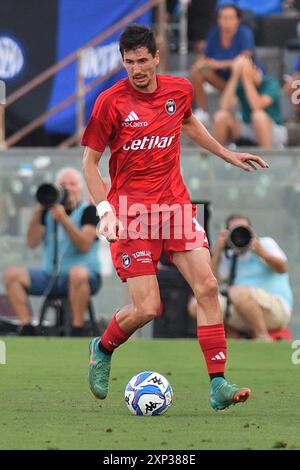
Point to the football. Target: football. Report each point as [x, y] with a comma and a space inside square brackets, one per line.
[148, 394]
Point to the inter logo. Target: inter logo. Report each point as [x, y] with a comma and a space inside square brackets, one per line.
[11, 58]
[170, 106]
[126, 260]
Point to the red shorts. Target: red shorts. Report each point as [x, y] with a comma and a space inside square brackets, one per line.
[138, 253]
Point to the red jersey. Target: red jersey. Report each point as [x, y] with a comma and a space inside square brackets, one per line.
[142, 131]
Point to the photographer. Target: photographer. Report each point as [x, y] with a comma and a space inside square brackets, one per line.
[258, 287]
[70, 263]
[260, 295]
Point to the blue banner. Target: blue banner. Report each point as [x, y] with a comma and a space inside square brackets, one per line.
[78, 22]
[258, 7]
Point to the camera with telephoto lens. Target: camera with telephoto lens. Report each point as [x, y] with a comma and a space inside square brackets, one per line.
[49, 194]
[239, 239]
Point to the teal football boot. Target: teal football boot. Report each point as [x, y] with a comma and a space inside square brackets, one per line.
[99, 369]
[224, 394]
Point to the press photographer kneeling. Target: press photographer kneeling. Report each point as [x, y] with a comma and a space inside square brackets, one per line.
[254, 271]
[65, 224]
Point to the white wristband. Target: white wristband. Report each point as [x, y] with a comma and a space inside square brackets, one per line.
[103, 207]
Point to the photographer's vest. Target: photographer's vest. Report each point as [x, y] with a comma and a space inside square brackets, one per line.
[251, 271]
[68, 255]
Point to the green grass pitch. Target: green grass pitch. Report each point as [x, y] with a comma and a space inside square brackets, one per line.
[45, 402]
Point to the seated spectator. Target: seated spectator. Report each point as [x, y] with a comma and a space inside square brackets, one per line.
[76, 273]
[224, 43]
[292, 89]
[260, 294]
[259, 97]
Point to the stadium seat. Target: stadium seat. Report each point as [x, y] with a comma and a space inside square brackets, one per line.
[283, 334]
[61, 306]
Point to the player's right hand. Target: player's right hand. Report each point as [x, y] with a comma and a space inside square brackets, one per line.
[110, 227]
[222, 239]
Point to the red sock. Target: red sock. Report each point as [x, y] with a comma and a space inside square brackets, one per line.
[213, 344]
[113, 336]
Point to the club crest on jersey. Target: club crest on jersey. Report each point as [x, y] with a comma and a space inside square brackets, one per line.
[170, 106]
[126, 260]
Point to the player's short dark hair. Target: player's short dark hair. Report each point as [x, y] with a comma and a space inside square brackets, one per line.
[232, 217]
[238, 11]
[136, 36]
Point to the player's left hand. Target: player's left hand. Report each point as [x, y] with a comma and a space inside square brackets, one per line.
[58, 212]
[246, 161]
[257, 247]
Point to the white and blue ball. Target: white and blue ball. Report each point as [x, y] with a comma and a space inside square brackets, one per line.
[148, 394]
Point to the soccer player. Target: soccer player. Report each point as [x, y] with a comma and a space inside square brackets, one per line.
[140, 118]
